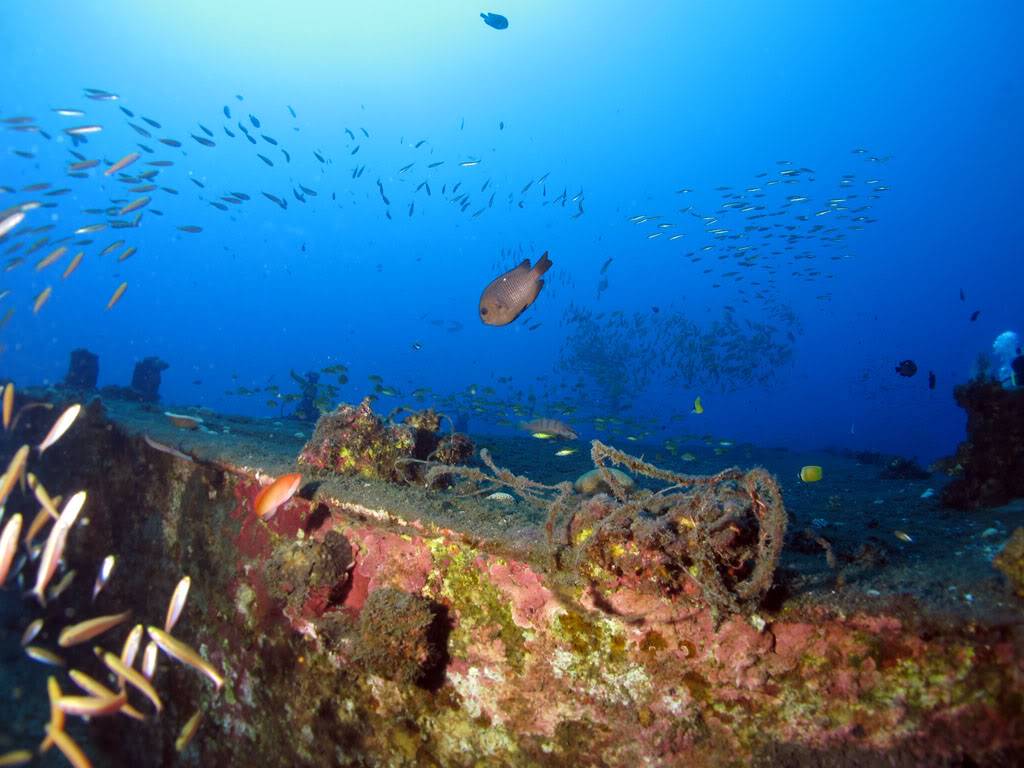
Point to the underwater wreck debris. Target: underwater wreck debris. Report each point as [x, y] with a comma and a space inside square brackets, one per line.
[307, 409]
[146, 378]
[528, 680]
[593, 482]
[900, 468]
[1010, 561]
[722, 532]
[401, 636]
[553, 497]
[83, 370]
[145, 384]
[310, 576]
[455, 448]
[992, 456]
[354, 440]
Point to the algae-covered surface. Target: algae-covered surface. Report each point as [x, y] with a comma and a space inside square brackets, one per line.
[440, 627]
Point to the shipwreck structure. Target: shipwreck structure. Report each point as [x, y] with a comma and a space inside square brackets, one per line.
[402, 610]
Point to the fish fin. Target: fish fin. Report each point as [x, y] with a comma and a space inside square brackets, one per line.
[524, 264]
[543, 265]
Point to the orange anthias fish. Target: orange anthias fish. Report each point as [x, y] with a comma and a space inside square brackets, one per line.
[508, 296]
[274, 495]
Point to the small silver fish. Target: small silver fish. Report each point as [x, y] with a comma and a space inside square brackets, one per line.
[106, 568]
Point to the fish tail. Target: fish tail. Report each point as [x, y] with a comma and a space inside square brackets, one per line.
[543, 265]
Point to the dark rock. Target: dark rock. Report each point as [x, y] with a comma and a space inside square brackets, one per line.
[992, 457]
[83, 370]
[401, 636]
[310, 576]
[455, 448]
[904, 469]
[307, 409]
[146, 378]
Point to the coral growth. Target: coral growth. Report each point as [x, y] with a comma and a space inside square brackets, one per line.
[1010, 561]
[722, 533]
[310, 576]
[401, 637]
[992, 457]
[354, 440]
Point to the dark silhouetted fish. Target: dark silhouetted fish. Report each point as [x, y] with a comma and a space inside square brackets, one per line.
[495, 20]
[906, 368]
[510, 294]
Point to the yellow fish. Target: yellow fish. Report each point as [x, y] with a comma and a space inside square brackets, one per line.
[810, 473]
[41, 299]
[118, 293]
[565, 452]
[697, 406]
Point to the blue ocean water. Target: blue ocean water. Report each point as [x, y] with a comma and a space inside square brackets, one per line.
[573, 131]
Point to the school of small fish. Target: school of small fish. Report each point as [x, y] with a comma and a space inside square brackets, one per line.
[153, 176]
[22, 550]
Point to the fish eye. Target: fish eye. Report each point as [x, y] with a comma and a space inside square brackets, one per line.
[483, 310]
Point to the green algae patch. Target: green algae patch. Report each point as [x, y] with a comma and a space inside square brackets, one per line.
[482, 610]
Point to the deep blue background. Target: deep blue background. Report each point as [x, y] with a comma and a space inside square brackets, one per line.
[627, 103]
